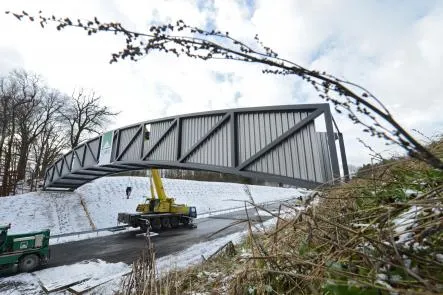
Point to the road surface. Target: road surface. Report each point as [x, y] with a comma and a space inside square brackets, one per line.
[126, 247]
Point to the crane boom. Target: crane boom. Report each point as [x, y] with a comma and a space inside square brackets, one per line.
[158, 184]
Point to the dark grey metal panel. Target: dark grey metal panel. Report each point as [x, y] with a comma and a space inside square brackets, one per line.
[91, 151]
[124, 138]
[276, 143]
[282, 157]
[165, 149]
[156, 131]
[194, 128]
[215, 150]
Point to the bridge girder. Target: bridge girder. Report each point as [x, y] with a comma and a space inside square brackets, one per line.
[275, 143]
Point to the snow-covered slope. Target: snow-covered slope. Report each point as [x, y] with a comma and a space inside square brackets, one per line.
[59, 212]
[105, 197]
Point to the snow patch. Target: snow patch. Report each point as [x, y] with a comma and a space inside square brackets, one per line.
[56, 277]
[411, 193]
[404, 222]
[20, 284]
[80, 276]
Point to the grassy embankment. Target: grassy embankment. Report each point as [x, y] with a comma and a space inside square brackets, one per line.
[381, 233]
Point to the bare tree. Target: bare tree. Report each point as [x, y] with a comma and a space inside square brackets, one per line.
[6, 97]
[37, 123]
[85, 115]
[47, 148]
[50, 142]
[361, 106]
[34, 115]
[11, 102]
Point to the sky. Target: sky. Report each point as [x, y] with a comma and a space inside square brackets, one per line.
[393, 48]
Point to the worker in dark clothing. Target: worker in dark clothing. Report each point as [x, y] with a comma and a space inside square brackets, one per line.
[128, 191]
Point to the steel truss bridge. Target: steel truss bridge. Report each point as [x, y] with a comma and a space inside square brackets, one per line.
[275, 143]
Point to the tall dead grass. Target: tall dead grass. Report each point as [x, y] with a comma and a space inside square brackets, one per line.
[381, 233]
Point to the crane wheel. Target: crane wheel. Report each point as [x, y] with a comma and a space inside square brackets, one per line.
[29, 263]
[166, 223]
[185, 221]
[174, 222]
[156, 224]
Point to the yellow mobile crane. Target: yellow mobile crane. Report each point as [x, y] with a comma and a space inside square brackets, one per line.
[159, 212]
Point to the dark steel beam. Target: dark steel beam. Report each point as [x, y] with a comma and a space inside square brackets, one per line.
[99, 148]
[178, 143]
[91, 173]
[234, 140]
[56, 167]
[60, 189]
[84, 155]
[331, 142]
[120, 166]
[70, 181]
[117, 146]
[69, 166]
[52, 174]
[77, 156]
[71, 177]
[230, 170]
[101, 168]
[344, 160]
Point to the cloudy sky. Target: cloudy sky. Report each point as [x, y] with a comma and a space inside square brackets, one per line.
[393, 48]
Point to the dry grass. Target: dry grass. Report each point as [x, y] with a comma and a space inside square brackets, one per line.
[381, 233]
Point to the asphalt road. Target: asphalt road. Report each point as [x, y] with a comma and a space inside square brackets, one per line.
[126, 247]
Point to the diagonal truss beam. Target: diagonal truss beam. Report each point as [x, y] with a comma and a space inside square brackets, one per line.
[281, 138]
[79, 159]
[205, 137]
[134, 137]
[162, 137]
[92, 153]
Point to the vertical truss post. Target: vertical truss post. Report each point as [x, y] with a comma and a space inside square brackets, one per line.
[117, 147]
[178, 143]
[331, 143]
[234, 149]
[344, 161]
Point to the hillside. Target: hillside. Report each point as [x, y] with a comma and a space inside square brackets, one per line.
[105, 197]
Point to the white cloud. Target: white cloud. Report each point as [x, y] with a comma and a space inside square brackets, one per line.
[394, 50]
